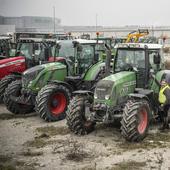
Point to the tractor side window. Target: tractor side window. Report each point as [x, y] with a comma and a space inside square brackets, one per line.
[128, 59]
[85, 58]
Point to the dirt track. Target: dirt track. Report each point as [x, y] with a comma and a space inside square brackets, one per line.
[28, 143]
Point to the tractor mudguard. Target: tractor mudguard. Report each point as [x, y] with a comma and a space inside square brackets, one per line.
[57, 82]
[137, 95]
[83, 92]
[142, 94]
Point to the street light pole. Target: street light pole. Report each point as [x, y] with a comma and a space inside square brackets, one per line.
[54, 17]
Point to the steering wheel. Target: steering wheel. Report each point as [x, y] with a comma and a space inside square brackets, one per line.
[127, 67]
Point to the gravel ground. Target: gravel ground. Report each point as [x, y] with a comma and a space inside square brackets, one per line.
[29, 143]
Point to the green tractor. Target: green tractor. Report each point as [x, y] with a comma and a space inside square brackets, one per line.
[128, 96]
[73, 59]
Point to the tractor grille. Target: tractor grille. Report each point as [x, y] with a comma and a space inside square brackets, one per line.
[104, 87]
[30, 75]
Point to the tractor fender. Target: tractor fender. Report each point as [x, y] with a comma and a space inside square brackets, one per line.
[83, 92]
[138, 96]
[57, 82]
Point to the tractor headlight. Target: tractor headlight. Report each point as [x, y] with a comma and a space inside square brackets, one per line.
[95, 96]
[107, 97]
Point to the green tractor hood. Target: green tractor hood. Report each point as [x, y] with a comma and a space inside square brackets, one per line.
[36, 78]
[113, 89]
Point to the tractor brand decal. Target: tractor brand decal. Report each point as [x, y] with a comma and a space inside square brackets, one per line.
[126, 86]
[12, 63]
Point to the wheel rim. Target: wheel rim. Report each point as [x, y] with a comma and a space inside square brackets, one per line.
[58, 104]
[143, 120]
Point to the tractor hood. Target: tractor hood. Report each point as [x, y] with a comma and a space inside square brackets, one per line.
[120, 77]
[11, 61]
[115, 87]
[54, 66]
[38, 76]
[10, 65]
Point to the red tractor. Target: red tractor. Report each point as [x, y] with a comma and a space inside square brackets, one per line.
[29, 52]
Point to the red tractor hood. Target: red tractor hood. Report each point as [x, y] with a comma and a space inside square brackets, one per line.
[7, 60]
[10, 65]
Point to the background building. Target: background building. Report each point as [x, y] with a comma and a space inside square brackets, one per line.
[28, 24]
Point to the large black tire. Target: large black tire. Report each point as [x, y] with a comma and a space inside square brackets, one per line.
[14, 89]
[135, 120]
[76, 119]
[52, 101]
[4, 84]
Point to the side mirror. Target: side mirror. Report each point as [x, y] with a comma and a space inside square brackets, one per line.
[157, 59]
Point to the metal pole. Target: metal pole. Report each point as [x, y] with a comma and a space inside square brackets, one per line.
[54, 17]
[96, 22]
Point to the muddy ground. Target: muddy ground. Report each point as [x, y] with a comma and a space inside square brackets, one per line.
[29, 143]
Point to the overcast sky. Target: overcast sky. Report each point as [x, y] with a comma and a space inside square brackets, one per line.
[83, 12]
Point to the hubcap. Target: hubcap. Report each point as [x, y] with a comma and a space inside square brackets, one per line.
[58, 104]
[143, 119]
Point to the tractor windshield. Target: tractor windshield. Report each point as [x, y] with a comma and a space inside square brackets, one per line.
[128, 59]
[66, 49]
[25, 49]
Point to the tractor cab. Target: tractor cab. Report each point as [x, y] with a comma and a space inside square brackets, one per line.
[80, 54]
[7, 48]
[29, 52]
[35, 50]
[140, 58]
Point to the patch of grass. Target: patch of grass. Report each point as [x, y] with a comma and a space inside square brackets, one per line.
[7, 167]
[36, 143]
[32, 153]
[130, 165]
[8, 116]
[157, 140]
[74, 151]
[5, 158]
[52, 130]
[7, 163]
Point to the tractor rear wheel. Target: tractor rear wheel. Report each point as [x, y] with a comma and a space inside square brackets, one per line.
[135, 120]
[52, 102]
[14, 89]
[77, 120]
[4, 84]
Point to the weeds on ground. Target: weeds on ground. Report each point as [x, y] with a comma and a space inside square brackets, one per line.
[129, 165]
[52, 130]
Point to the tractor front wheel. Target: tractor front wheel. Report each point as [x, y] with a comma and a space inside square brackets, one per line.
[52, 101]
[135, 120]
[77, 120]
[4, 84]
[14, 89]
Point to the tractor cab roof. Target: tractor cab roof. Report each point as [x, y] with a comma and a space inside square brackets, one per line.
[84, 41]
[79, 41]
[5, 38]
[139, 45]
[30, 40]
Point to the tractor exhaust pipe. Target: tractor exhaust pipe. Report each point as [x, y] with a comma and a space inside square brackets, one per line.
[108, 61]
